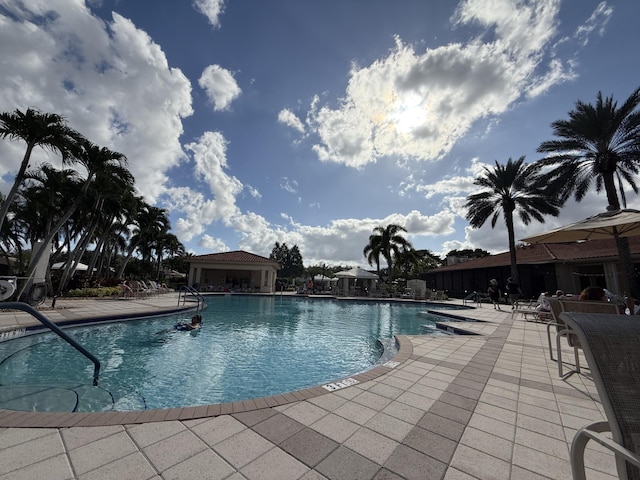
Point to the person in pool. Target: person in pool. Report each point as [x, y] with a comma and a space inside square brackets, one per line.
[196, 322]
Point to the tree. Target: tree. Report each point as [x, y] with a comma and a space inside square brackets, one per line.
[386, 242]
[290, 260]
[514, 187]
[406, 263]
[469, 253]
[599, 144]
[151, 222]
[46, 130]
[95, 160]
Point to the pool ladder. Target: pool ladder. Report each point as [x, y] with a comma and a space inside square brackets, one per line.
[57, 330]
[190, 294]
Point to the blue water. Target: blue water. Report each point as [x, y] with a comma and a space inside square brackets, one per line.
[248, 347]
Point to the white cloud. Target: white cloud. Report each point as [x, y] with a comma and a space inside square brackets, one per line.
[596, 22]
[110, 80]
[212, 9]
[209, 154]
[220, 86]
[289, 118]
[288, 185]
[411, 105]
[254, 192]
[214, 244]
[342, 239]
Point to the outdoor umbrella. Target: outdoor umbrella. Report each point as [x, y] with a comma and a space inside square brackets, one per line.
[611, 224]
[616, 223]
[60, 265]
[356, 272]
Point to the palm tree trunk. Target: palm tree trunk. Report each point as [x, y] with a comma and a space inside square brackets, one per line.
[33, 263]
[629, 278]
[4, 208]
[512, 246]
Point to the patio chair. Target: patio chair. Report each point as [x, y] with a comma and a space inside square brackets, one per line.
[612, 350]
[562, 305]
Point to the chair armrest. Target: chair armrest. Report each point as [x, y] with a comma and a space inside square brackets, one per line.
[593, 431]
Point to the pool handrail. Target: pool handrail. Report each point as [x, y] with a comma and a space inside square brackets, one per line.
[187, 290]
[57, 330]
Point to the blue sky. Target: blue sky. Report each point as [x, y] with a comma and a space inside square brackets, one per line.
[312, 122]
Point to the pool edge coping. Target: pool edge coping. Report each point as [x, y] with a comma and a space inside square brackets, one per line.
[24, 419]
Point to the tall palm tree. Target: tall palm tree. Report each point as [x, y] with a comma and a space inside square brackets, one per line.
[46, 130]
[150, 223]
[514, 187]
[95, 159]
[599, 144]
[386, 242]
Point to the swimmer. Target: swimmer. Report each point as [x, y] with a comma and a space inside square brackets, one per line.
[196, 322]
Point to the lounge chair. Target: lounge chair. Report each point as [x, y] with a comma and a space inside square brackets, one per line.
[612, 351]
[562, 305]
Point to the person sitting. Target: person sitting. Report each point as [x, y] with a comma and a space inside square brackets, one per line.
[593, 294]
[543, 302]
[196, 322]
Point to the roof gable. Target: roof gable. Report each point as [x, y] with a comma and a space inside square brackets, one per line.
[237, 256]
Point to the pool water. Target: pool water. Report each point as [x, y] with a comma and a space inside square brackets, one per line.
[248, 347]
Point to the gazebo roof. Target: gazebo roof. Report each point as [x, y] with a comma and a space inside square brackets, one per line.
[237, 256]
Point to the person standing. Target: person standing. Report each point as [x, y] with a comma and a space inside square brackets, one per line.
[494, 293]
[514, 291]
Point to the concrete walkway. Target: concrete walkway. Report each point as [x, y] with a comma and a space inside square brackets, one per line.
[487, 406]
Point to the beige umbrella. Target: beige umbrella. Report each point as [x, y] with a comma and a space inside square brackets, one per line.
[614, 223]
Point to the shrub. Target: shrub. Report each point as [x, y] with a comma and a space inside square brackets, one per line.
[94, 292]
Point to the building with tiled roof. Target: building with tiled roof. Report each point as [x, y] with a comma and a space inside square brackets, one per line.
[236, 271]
[542, 267]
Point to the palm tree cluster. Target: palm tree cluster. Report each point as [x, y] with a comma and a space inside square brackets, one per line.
[69, 211]
[599, 145]
[388, 243]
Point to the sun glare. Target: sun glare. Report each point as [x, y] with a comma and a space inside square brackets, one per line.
[407, 113]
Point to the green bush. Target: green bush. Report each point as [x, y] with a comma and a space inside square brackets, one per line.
[94, 292]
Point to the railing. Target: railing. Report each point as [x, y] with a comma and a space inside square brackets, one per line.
[473, 297]
[57, 330]
[190, 294]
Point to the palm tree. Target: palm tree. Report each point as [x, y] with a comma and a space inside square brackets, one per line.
[508, 188]
[386, 242]
[95, 160]
[46, 130]
[598, 144]
[151, 222]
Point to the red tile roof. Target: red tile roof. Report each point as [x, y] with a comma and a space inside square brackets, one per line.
[237, 256]
[551, 253]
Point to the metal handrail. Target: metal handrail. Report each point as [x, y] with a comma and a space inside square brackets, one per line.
[57, 330]
[186, 289]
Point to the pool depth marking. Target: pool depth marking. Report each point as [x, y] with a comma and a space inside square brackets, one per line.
[347, 382]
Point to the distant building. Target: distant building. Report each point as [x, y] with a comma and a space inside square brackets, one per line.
[237, 271]
[543, 267]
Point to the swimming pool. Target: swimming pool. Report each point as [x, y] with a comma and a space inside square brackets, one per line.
[248, 347]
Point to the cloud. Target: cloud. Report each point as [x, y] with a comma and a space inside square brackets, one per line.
[215, 245]
[596, 22]
[254, 192]
[287, 185]
[109, 79]
[220, 86]
[342, 239]
[212, 9]
[289, 118]
[416, 105]
[209, 155]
